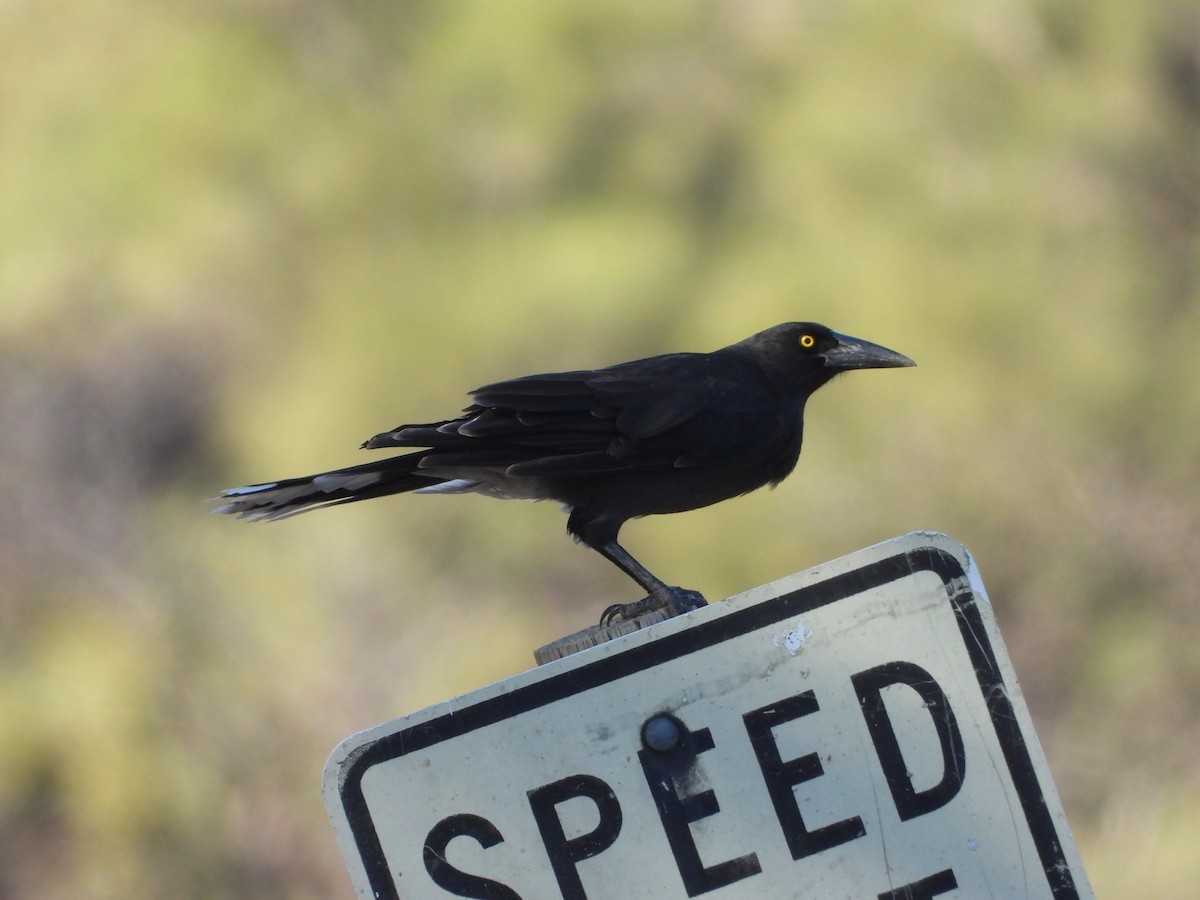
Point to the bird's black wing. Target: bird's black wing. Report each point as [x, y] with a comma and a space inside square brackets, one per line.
[515, 422]
[699, 410]
[675, 411]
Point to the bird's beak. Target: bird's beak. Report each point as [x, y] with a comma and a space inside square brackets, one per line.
[853, 353]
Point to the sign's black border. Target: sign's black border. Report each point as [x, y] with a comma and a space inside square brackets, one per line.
[768, 613]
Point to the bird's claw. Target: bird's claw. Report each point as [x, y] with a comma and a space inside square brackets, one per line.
[675, 600]
[683, 601]
[623, 612]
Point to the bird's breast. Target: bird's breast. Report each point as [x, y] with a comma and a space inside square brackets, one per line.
[650, 492]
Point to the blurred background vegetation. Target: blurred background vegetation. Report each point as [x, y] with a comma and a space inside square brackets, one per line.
[239, 236]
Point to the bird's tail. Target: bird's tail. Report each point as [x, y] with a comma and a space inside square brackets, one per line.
[280, 499]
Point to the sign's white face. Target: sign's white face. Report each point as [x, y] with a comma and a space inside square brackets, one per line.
[852, 731]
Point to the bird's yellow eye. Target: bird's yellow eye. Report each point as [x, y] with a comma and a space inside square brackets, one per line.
[807, 341]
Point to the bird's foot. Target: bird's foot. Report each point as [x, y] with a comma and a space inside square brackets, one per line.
[623, 612]
[675, 600]
[681, 600]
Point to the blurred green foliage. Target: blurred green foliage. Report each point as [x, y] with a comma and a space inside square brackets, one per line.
[239, 236]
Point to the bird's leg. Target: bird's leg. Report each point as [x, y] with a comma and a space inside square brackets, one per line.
[660, 595]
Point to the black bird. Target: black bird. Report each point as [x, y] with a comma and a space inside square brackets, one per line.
[658, 435]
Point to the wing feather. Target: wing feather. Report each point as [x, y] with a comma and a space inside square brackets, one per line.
[674, 411]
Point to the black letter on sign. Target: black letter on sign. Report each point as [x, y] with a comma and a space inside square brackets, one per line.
[909, 802]
[924, 889]
[662, 770]
[781, 776]
[446, 876]
[564, 853]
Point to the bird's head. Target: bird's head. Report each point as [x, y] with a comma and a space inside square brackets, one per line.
[808, 355]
